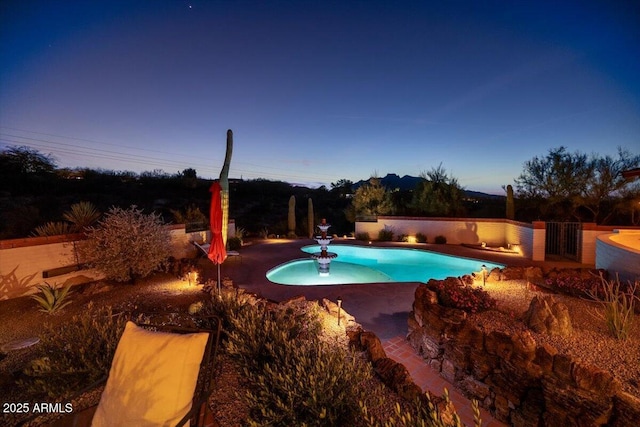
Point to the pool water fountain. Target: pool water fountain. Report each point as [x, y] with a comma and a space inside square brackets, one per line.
[323, 257]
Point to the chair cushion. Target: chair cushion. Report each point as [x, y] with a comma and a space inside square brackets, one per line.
[152, 378]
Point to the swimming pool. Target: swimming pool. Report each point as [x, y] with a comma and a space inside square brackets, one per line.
[362, 264]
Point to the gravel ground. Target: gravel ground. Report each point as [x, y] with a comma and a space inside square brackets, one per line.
[21, 319]
[590, 342]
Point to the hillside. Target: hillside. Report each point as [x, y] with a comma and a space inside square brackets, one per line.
[393, 181]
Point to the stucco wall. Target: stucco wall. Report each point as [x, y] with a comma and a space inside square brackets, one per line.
[494, 232]
[23, 261]
[619, 252]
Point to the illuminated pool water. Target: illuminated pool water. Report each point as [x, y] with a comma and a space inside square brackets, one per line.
[361, 264]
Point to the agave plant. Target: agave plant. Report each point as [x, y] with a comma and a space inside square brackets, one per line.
[52, 298]
[52, 229]
[82, 215]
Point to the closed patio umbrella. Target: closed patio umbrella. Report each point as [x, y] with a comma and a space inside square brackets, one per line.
[217, 253]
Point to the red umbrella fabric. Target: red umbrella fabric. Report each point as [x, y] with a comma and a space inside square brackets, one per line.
[217, 252]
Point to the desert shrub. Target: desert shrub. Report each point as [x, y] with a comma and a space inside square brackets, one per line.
[403, 238]
[455, 294]
[256, 331]
[363, 236]
[227, 306]
[576, 286]
[308, 383]
[75, 354]
[52, 228]
[126, 244]
[618, 305]
[385, 235]
[293, 377]
[421, 238]
[234, 243]
[192, 214]
[52, 298]
[440, 240]
[425, 413]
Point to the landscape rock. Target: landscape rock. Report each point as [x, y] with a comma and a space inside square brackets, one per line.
[546, 316]
[372, 345]
[397, 377]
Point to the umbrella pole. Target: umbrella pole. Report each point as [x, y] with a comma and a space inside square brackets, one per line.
[218, 279]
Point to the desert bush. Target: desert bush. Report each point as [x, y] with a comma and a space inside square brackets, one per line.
[228, 305]
[577, 286]
[309, 384]
[293, 377]
[618, 305]
[403, 238]
[256, 331]
[52, 229]
[440, 240]
[192, 214]
[75, 354]
[52, 298]
[455, 294]
[363, 236]
[126, 244]
[424, 413]
[385, 235]
[421, 238]
[234, 243]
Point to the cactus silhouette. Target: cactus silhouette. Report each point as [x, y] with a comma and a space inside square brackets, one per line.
[511, 210]
[310, 224]
[291, 220]
[224, 185]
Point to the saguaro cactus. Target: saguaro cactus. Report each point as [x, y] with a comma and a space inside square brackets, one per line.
[310, 225]
[291, 220]
[511, 210]
[224, 185]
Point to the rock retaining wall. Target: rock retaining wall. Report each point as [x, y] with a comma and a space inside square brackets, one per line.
[521, 382]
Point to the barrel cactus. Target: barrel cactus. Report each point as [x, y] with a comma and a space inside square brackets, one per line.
[224, 185]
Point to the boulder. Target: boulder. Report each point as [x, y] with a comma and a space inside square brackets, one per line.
[397, 378]
[546, 316]
[372, 345]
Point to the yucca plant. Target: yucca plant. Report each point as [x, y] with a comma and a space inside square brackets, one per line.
[82, 215]
[52, 298]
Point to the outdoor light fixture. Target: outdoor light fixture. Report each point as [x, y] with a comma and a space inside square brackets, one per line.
[192, 276]
[339, 301]
[484, 274]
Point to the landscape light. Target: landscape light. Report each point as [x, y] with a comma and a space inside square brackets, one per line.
[339, 301]
[484, 275]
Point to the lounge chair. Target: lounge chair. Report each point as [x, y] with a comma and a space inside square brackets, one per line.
[161, 375]
[204, 251]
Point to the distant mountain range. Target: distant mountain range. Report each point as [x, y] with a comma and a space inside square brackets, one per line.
[392, 181]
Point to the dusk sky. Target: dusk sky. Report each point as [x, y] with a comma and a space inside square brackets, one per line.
[317, 91]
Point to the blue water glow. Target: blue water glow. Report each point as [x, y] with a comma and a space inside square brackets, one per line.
[362, 264]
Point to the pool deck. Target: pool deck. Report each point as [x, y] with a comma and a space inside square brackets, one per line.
[382, 308]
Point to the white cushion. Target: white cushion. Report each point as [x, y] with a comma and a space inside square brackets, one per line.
[152, 378]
